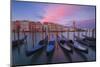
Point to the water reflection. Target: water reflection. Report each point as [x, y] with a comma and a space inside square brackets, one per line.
[40, 57]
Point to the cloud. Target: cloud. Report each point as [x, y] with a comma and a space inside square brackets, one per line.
[55, 13]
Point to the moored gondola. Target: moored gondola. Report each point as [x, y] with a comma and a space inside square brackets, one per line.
[41, 45]
[19, 42]
[33, 50]
[50, 48]
[77, 46]
[64, 44]
[85, 42]
[89, 38]
[80, 47]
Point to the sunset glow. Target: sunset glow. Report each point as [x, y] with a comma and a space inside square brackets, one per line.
[55, 13]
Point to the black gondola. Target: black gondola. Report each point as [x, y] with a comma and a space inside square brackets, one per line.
[86, 42]
[65, 45]
[36, 48]
[89, 38]
[50, 46]
[80, 47]
[76, 46]
[19, 42]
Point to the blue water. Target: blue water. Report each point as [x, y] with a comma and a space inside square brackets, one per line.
[19, 57]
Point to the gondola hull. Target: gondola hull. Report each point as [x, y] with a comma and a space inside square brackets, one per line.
[64, 45]
[34, 50]
[50, 48]
[81, 49]
[41, 45]
[19, 42]
[89, 38]
[85, 42]
[66, 48]
[77, 47]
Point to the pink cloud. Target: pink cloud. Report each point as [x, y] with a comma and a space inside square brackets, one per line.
[54, 13]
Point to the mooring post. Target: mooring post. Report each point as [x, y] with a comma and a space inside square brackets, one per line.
[14, 34]
[26, 46]
[46, 30]
[75, 29]
[18, 34]
[89, 32]
[93, 33]
[32, 34]
[78, 33]
[86, 32]
[35, 32]
[42, 31]
[68, 33]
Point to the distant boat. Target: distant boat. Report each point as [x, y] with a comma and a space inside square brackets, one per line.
[89, 38]
[19, 42]
[50, 48]
[86, 42]
[36, 48]
[64, 44]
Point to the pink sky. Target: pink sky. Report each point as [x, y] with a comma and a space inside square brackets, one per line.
[56, 13]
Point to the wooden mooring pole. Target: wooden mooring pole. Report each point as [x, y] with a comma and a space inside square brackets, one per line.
[32, 35]
[93, 33]
[86, 32]
[14, 34]
[68, 35]
[78, 32]
[26, 46]
[89, 32]
[18, 35]
[42, 32]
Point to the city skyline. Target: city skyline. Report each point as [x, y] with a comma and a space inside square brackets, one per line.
[56, 13]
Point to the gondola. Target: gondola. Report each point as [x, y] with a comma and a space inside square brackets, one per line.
[64, 44]
[85, 42]
[36, 48]
[78, 47]
[50, 48]
[89, 38]
[19, 42]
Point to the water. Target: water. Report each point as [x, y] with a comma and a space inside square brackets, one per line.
[19, 57]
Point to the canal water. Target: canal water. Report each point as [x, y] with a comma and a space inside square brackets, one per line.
[59, 56]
